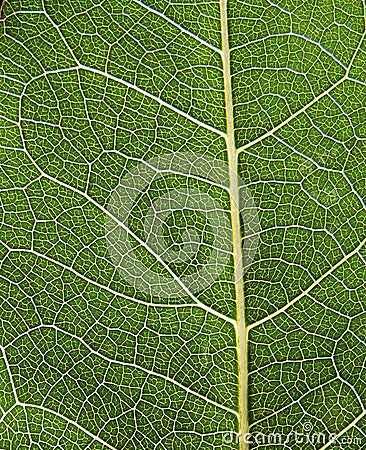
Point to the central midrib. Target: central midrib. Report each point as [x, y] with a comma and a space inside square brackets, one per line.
[240, 329]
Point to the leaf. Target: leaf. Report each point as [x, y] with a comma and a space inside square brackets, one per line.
[142, 147]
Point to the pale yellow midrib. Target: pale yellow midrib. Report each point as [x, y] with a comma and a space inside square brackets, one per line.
[240, 329]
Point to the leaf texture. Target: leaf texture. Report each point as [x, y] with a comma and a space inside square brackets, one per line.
[239, 307]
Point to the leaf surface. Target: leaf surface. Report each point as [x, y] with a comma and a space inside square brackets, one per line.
[149, 152]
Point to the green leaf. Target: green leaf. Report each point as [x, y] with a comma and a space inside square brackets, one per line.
[182, 233]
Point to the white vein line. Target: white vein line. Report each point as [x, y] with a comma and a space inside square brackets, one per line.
[31, 441]
[308, 105]
[194, 176]
[5, 414]
[7, 119]
[356, 336]
[296, 35]
[362, 83]
[327, 307]
[10, 374]
[153, 97]
[359, 44]
[299, 227]
[293, 116]
[310, 288]
[182, 29]
[95, 283]
[341, 378]
[127, 229]
[135, 88]
[360, 430]
[294, 402]
[20, 289]
[127, 364]
[130, 85]
[301, 361]
[70, 421]
[348, 427]
[342, 172]
[57, 28]
[14, 80]
[25, 11]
